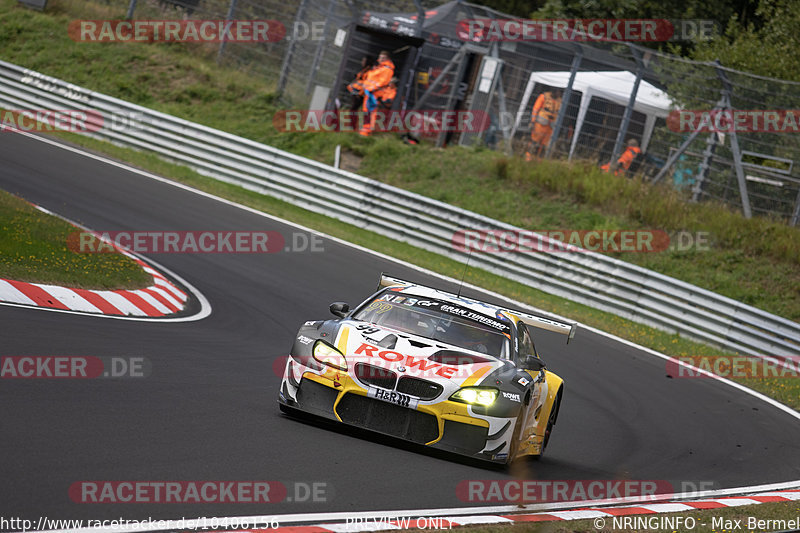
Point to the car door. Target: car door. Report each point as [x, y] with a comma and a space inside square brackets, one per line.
[537, 388]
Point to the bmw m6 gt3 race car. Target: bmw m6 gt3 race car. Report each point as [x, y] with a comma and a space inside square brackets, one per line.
[429, 367]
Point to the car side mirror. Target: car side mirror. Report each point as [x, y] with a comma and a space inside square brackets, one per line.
[340, 309]
[531, 362]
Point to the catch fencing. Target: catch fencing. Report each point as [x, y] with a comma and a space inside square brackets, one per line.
[613, 91]
[593, 279]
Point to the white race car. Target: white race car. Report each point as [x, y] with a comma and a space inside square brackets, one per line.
[429, 367]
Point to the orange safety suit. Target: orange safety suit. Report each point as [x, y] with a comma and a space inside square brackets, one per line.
[357, 86]
[379, 83]
[543, 118]
[625, 160]
[379, 76]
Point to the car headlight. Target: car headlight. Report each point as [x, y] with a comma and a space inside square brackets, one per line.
[328, 355]
[476, 395]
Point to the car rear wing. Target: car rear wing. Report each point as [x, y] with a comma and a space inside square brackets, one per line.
[389, 281]
[549, 324]
[565, 328]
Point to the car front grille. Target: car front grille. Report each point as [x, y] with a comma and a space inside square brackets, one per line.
[375, 375]
[421, 388]
[388, 418]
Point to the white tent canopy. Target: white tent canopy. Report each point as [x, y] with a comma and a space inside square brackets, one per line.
[615, 86]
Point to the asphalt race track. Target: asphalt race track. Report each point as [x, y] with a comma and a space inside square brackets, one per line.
[208, 411]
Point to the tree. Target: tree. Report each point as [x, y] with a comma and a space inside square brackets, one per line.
[769, 48]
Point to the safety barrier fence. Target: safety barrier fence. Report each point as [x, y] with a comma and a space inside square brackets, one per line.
[590, 278]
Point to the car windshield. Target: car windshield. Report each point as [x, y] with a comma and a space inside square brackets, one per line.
[440, 321]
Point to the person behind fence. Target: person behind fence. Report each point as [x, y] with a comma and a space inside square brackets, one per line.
[379, 101]
[378, 87]
[543, 118]
[625, 160]
[356, 88]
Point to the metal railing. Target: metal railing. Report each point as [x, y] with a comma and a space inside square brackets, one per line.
[593, 279]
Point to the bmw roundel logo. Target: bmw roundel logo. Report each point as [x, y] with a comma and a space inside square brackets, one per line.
[401, 369]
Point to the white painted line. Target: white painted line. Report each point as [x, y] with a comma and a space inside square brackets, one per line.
[736, 502]
[578, 515]
[11, 294]
[669, 507]
[470, 520]
[152, 301]
[787, 495]
[68, 297]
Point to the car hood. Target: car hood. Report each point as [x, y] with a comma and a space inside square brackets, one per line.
[412, 355]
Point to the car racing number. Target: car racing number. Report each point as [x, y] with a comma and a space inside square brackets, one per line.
[397, 398]
[367, 330]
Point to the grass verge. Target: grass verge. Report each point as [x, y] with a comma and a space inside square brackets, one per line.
[33, 247]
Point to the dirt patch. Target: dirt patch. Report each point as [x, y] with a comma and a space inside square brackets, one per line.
[350, 161]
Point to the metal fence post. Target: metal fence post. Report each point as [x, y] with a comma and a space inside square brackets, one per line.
[796, 213]
[312, 74]
[231, 11]
[287, 59]
[457, 59]
[420, 17]
[706, 121]
[451, 98]
[626, 117]
[576, 63]
[727, 90]
[503, 110]
[705, 166]
[131, 10]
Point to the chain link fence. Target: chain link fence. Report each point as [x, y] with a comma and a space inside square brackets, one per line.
[611, 92]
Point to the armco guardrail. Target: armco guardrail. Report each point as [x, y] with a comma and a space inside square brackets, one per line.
[593, 279]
